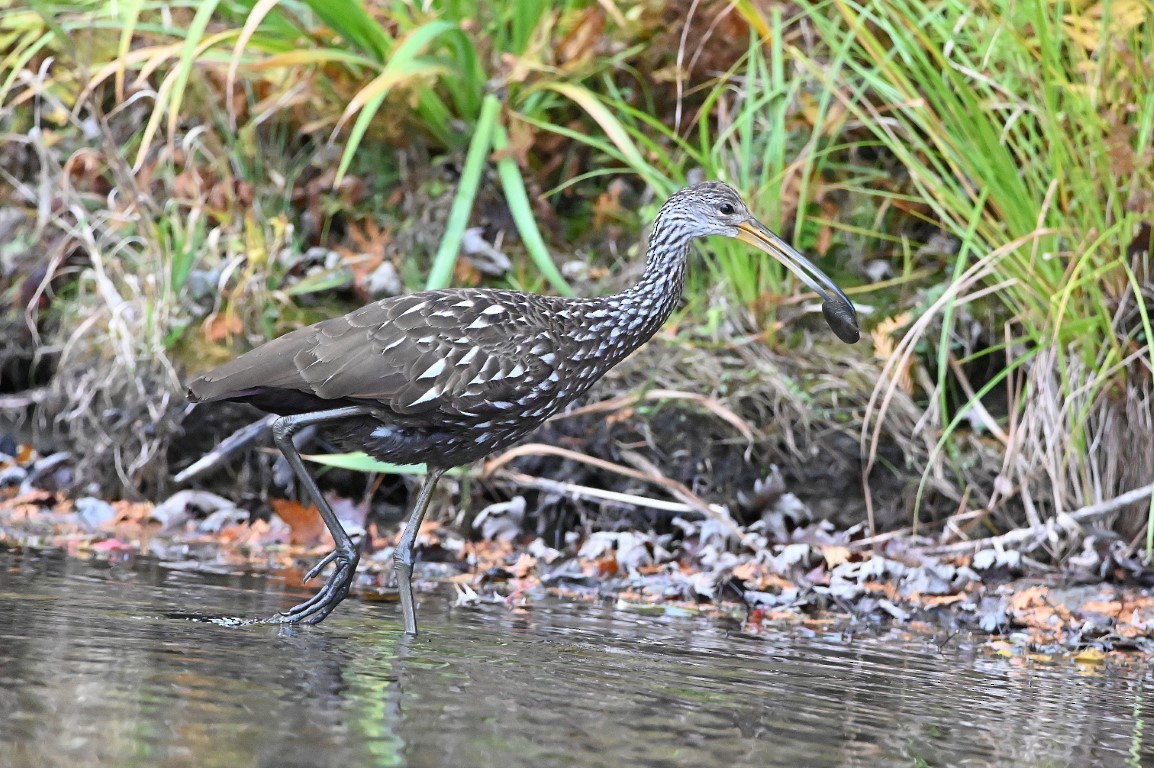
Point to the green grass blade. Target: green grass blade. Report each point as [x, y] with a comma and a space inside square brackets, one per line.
[482, 142]
[362, 462]
[171, 92]
[613, 128]
[130, 16]
[350, 20]
[405, 64]
[15, 62]
[48, 17]
[522, 210]
[1148, 332]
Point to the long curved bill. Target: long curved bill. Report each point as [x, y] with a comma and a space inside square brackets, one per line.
[836, 307]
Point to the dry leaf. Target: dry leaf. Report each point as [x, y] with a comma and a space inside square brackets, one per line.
[1090, 656]
[221, 326]
[305, 523]
[835, 555]
[1109, 608]
[581, 42]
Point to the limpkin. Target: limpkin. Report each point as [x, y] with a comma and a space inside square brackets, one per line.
[445, 377]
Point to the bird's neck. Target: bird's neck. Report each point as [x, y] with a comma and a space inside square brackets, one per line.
[608, 329]
[658, 291]
[638, 312]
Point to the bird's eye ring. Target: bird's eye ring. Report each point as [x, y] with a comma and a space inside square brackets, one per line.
[726, 209]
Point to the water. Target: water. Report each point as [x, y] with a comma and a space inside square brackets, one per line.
[91, 673]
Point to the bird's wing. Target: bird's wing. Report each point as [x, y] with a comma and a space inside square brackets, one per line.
[471, 353]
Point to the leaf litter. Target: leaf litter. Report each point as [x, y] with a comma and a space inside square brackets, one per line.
[784, 567]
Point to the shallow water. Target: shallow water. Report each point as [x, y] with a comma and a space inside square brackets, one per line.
[91, 673]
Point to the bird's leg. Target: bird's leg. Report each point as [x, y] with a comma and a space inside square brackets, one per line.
[403, 554]
[336, 588]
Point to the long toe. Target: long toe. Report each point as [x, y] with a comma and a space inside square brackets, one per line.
[316, 608]
[320, 566]
[313, 610]
[301, 611]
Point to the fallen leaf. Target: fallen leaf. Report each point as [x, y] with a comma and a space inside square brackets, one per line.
[1090, 656]
[606, 566]
[222, 326]
[305, 524]
[1109, 608]
[835, 555]
[931, 601]
[748, 571]
[581, 41]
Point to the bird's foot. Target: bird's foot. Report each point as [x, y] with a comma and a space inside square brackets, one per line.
[320, 566]
[324, 561]
[336, 588]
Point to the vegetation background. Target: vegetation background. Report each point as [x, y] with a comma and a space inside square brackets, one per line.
[183, 180]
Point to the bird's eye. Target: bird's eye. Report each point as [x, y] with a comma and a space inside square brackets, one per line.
[726, 209]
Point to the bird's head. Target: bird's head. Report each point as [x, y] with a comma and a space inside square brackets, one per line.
[713, 208]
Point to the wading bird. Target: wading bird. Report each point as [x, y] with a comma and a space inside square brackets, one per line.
[443, 378]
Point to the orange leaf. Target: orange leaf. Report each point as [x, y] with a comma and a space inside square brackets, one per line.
[524, 566]
[606, 566]
[305, 523]
[219, 327]
[1105, 607]
[931, 601]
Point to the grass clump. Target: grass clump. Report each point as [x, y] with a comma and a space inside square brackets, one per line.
[1024, 131]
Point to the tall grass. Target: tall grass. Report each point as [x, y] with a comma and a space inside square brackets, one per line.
[1025, 129]
[418, 61]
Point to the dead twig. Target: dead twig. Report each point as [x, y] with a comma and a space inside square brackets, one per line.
[541, 449]
[713, 405]
[227, 447]
[714, 511]
[649, 473]
[1018, 535]
[24, 399]
[872, 541]
[574, 490]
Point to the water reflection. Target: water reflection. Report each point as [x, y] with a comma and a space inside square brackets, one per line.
[90, 673]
